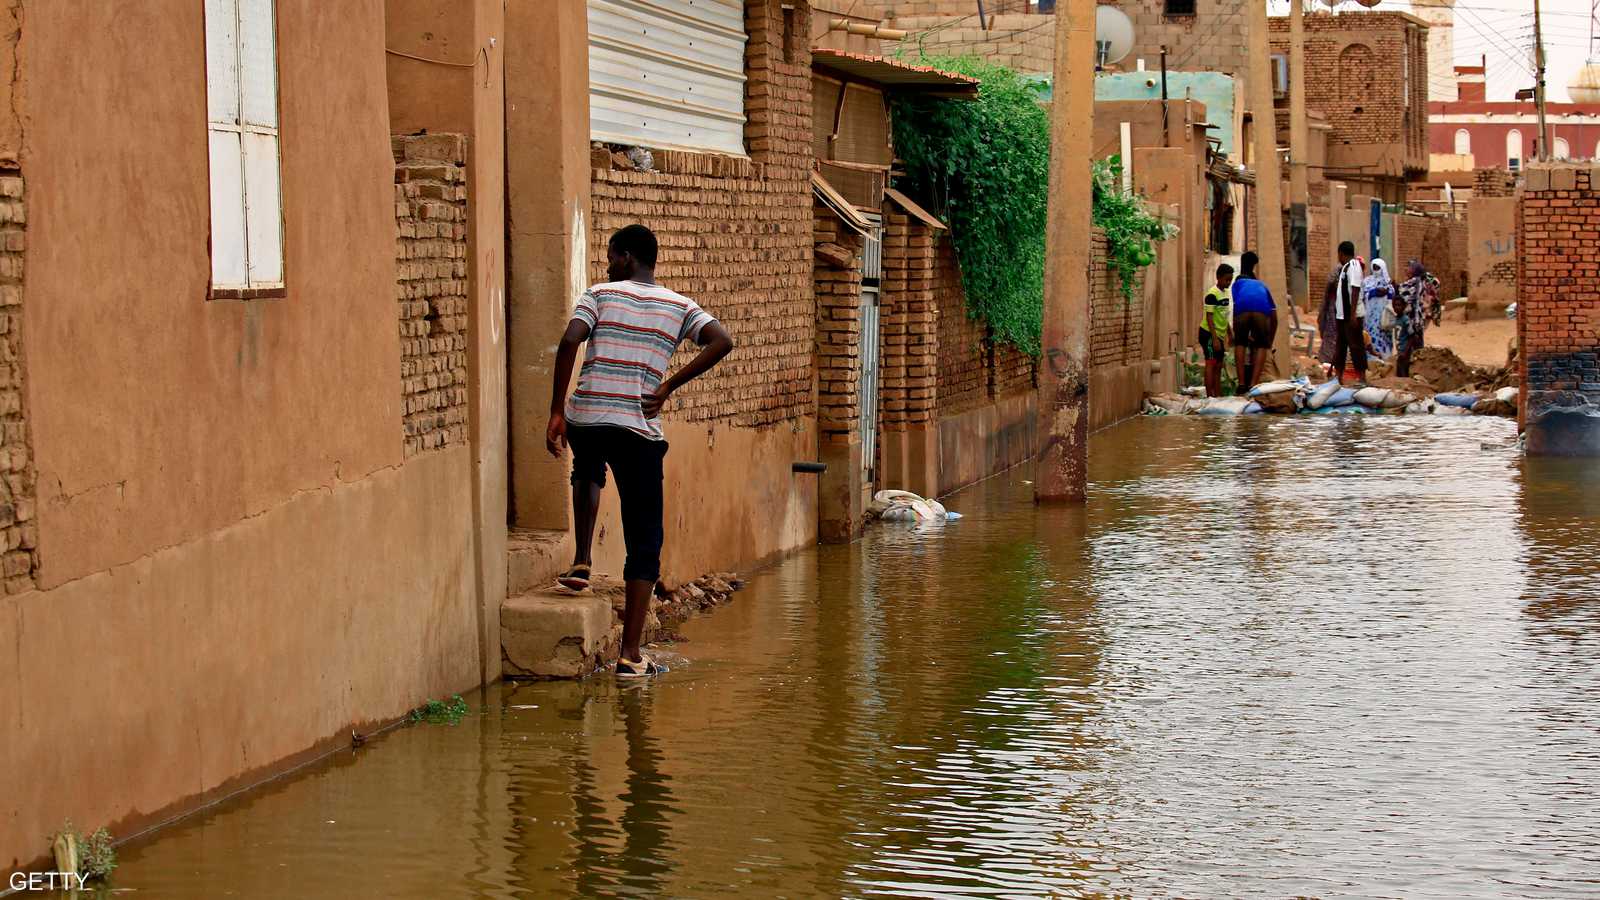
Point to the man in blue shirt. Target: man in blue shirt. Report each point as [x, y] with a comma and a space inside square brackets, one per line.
[1255, 322]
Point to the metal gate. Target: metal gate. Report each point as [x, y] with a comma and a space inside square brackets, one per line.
[871, 279]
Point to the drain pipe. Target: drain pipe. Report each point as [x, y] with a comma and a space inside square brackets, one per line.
[868, 29]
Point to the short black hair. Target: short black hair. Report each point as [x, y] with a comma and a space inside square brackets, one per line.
[1224, 269]
[1347, 248]
[638, 242]
[1248, 261]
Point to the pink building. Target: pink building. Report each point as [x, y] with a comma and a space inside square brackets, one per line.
[1503, 133]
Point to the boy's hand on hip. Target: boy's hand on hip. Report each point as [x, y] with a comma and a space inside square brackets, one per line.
[652, 402]
[555, 434]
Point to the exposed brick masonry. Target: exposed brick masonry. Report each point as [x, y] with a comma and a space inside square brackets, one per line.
[736, 236]
[838, 287]
[1440, 243]
[1558, 311]
[20, 558]
[1116, 324]
[910, 330]
[430, 197]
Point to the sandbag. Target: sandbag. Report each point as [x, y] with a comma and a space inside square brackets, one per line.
[1251, 409]
[1171, 404]
[1494, 406]
[1352, 409]
[1278, 402]
[1508, 394]
[1223, 406]
[1321, 394]
[1420, 407]
[1445, 410]
[1464, 401]
[1373, 396]
[1271, 387]
[1342, 397]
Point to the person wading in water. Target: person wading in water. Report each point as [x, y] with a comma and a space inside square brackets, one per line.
[632, 326]
[1349, 313]
[1255, 322]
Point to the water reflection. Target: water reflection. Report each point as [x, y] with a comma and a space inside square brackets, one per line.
[1338, 657]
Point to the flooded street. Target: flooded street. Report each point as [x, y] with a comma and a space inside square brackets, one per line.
[1332, 656]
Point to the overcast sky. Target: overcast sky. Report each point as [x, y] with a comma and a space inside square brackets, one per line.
[1502, 30]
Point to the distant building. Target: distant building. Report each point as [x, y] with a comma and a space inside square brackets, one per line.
[1504, 133]
[1367, 73]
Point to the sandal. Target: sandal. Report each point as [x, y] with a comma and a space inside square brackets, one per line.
[575, 578]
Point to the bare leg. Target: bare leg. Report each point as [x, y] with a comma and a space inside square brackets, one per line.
[1241, 369]
[585, 509]
[1258, 364]
[633, 615]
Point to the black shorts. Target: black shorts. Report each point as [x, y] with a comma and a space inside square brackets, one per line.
[1253, 330]
[636, 461]
[1213, 348]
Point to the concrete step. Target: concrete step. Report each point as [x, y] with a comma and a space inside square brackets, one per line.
[534, 558]
[555, 633]
[551, 632]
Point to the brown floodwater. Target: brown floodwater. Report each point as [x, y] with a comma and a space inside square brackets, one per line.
[1276, 657]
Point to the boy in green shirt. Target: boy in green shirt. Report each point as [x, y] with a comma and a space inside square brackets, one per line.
[1215, 331]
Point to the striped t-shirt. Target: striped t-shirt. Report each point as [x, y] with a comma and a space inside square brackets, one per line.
[633, 329]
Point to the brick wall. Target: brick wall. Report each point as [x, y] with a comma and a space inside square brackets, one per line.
[1493, 183]
[430, 196]
[20, 555]
[1212, 40]
[1116, 325]
[964, 365]
[1319, 251]
[1558, 309]
[1025, 43]
[1363, 90]
[910, 338]
[1440, 243]
[837, 275]
[736, 236]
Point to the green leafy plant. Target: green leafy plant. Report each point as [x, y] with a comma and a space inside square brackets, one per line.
[984, 166]
[93, 857]
[1130, 230]
[441, 712]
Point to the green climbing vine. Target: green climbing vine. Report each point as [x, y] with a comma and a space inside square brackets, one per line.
[1130, 230]
[984, 166]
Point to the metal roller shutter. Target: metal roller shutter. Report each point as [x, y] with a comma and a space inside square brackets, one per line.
[667, 73]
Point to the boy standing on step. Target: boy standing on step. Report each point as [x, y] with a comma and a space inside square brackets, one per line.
[632, 326]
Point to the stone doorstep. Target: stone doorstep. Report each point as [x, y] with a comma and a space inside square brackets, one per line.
[534, 558]
[551, 632]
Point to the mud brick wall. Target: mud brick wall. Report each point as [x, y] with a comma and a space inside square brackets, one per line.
[1213, 39]
[1437, 242]
[1025, 43]
[1493, 183]
[430, 207]
[19, 558]
[1012, 370]
[1460, 252]
[1366, 95]
[838, 291]
[1319, 252]
[910, 339]
[963, 340]
[1558, 309]
[1116, 324]
[735, 235]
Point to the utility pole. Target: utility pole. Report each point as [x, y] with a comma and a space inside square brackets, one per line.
[1538, 86]
[1299, 191]
[1061, 473]
[1269, 189]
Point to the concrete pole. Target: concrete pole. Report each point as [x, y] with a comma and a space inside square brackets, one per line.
[1269, 190]
[1299, 190]
[1063, 423]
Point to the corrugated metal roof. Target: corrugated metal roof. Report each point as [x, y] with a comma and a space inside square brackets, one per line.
[893, 74]
[667, 73]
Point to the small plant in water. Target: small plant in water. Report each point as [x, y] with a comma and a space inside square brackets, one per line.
[441, 712]
[93, 857]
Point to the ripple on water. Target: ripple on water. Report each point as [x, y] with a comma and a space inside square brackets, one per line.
[1334, 657]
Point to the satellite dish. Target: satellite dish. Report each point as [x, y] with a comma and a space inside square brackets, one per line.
[1113, 34]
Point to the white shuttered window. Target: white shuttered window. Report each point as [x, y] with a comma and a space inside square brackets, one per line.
[667, 73]
[242, 126]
